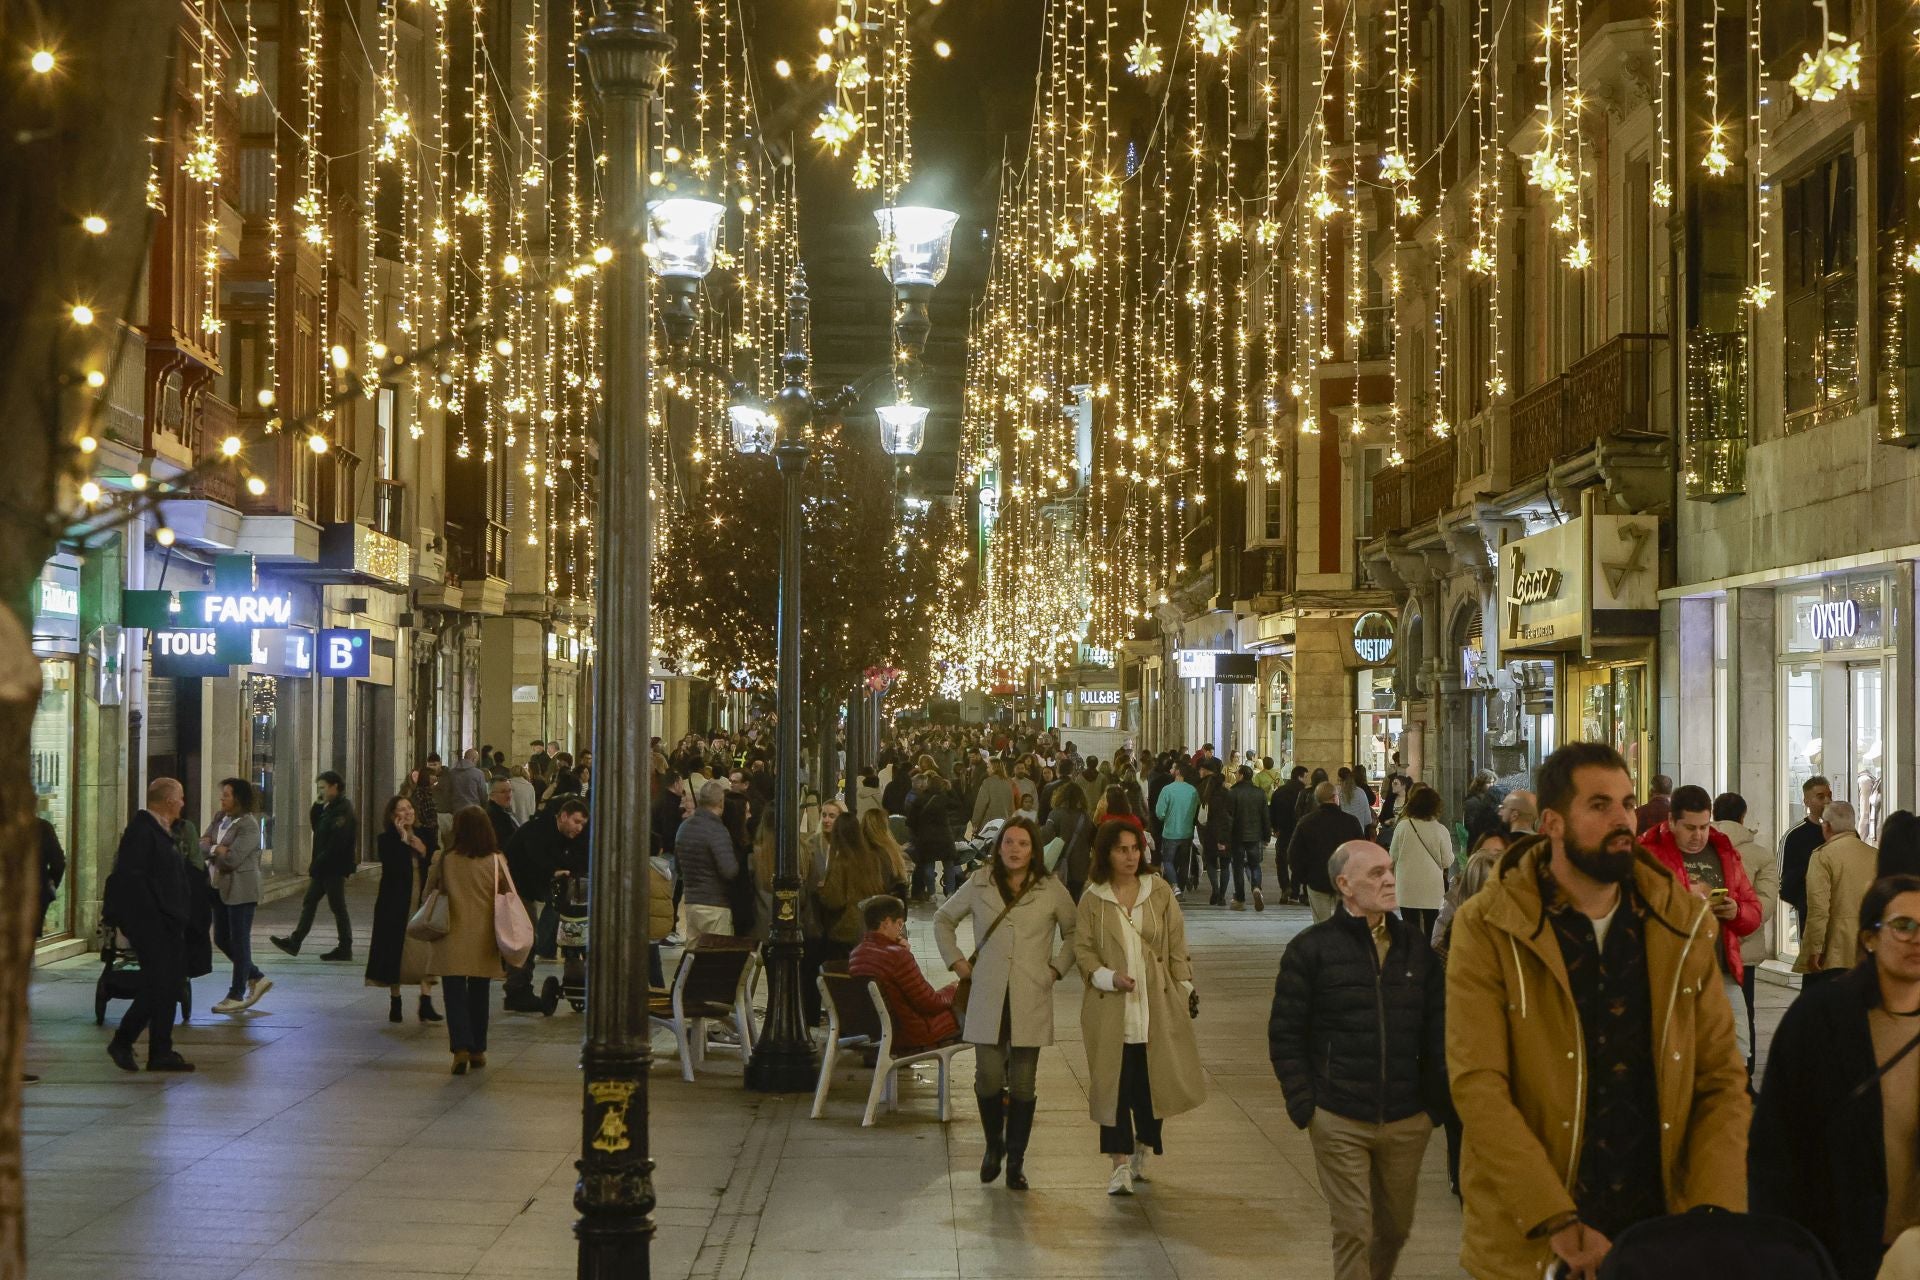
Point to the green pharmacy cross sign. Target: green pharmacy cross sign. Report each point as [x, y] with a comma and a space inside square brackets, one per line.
[205, 632]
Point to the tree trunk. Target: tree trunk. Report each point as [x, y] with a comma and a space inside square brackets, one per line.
[74, 142]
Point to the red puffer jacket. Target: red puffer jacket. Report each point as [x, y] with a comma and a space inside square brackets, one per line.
[1660, 843]
[921, 1015]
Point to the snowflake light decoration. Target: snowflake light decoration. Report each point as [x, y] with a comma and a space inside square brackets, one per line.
[1143, 58]
[1214, 32]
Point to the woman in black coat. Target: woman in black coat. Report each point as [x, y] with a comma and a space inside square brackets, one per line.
[1216, 835]
[930, 817]
[1818, 1149]
[393, 959]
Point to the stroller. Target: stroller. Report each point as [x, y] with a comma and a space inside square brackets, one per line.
[570, 901]
[120, 975]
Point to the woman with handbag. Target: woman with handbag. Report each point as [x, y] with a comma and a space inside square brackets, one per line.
[395, 960]
[233, 857]
[1422, 852]
[1006, 984]
[1143, 1065]
[472, 875]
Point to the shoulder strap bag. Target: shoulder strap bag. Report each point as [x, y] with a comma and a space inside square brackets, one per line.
[512, 930]
[965, 987]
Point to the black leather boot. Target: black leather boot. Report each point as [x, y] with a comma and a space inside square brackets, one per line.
[393, 1010]
[427, 1012]
[1019, 1129]
[993, 1121]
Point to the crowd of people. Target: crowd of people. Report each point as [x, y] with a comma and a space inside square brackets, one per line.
[1561, 978]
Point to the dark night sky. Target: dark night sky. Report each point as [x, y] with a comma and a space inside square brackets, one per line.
[967, 111]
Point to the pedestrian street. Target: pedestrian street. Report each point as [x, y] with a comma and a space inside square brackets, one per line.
[317, 1140]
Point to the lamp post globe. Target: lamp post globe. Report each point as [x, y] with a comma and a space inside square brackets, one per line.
[903, 428]
[919, 244]
[681, 231]
[753, 428]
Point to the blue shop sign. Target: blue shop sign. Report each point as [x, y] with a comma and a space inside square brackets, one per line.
[345, 652]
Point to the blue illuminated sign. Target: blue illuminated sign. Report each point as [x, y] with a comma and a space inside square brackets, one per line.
[345, 652]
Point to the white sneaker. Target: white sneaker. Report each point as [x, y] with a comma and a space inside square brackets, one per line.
[229, 1005]
[1121, 1183]
[255, 989]
[673, 940]
[1137, 1162]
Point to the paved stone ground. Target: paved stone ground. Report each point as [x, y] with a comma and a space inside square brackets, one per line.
[319, 1141]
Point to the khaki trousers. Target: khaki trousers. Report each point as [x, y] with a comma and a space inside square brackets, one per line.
[1369, 1174]
[701, 920]
[1322, 904]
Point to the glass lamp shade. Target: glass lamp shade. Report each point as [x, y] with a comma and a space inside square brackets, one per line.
[753, 428]
[680, 233]
[922, 243]
[903, 428]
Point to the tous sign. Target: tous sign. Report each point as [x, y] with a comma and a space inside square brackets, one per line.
[1836, 620]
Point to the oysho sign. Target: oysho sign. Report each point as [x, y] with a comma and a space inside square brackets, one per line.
[1835, 620]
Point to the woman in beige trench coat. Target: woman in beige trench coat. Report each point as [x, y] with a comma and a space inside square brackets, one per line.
[1010, 1007]
[1143, 1065]
[472, 873]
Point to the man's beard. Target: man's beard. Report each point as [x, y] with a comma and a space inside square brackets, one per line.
[1599, 862]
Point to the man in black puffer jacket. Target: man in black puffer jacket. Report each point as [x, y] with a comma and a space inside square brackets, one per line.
[1325, 828]
[1358, 1041]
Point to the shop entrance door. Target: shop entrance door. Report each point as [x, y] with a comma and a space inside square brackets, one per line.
[1866, 747]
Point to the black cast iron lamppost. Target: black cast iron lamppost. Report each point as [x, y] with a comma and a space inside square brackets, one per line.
[626, 52]
[918, 243]
[783, 1058]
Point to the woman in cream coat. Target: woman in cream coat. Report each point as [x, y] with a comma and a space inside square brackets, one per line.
[1143, 1065]
[1010, 1008]
[472, 872]
[1422, 851]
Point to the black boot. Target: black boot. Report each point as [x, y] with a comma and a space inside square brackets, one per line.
[1019, 1128]
[427, 1012]
[393, 1010]
[993, 1121]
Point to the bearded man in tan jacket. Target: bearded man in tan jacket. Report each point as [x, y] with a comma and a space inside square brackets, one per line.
[1589, 1039]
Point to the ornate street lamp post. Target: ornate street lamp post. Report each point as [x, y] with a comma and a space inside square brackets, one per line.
[626, 52]
[783, 1058]
[919, 241]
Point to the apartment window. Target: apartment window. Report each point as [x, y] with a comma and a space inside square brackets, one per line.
[1266, 508]
[1373, 459]
[383, 411]
[1821, 284]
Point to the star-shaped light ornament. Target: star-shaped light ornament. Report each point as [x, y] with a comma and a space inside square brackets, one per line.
[1759, 295]
[1394, 168]
[1214, 32]
[1143, 58]
[1823, 75]
[836, 127]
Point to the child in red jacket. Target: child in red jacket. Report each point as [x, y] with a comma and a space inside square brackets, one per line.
[921, 1015]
